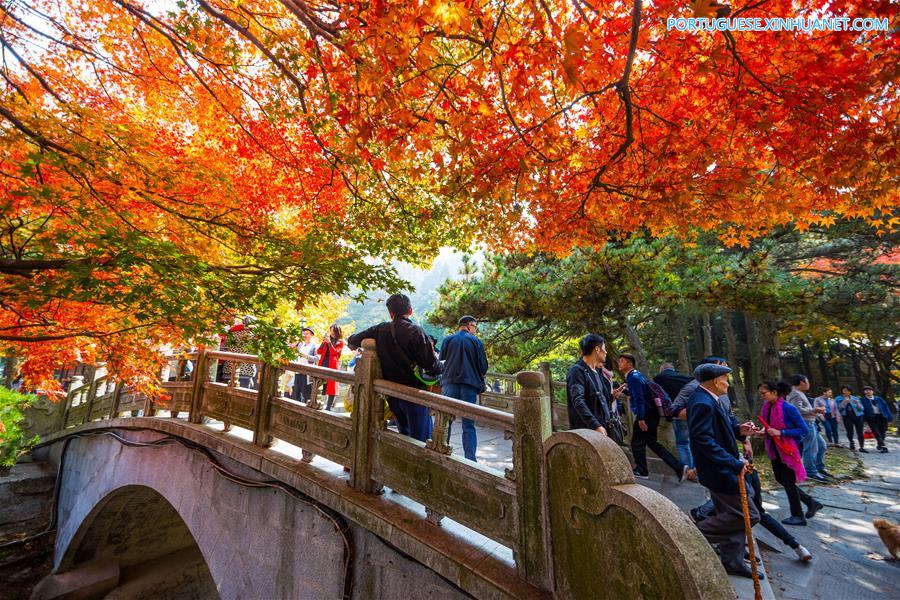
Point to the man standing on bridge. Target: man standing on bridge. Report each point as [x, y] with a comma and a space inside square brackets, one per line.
[465, 364]
[402, 346]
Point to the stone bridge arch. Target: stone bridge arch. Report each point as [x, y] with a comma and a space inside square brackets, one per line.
[138, 533]
[168, 506]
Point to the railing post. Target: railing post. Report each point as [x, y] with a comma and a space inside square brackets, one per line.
[91, 394]
[117, 397]
[532, 427]
[368, 417]
[70, 396]
[200, 378]
[544, 368]
[268, 383]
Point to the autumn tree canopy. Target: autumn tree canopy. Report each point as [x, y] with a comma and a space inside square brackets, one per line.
[166, 164]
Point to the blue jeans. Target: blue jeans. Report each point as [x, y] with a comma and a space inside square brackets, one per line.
[821, 446]
[466, 393]
[683, 442]
[811, 450]
[831, 429]
[413, 419]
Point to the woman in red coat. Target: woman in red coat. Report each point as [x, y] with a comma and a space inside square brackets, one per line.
[329, 356]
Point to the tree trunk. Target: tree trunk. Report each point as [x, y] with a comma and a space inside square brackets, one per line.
[634, 341]
[707, 335]
[804, 359]
[9, 370]
[857, 370]
[762, 340]
[680, 337]
[823, 368]
[740, 394]
[835, 372]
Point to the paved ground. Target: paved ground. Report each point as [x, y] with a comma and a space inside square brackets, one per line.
[848, 556]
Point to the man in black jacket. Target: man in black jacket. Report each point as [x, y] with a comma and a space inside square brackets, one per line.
[587, 390]
[402, 346]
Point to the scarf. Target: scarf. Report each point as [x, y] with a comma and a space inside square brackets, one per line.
[783, 447]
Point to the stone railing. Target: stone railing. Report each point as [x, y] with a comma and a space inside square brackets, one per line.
[564, 490]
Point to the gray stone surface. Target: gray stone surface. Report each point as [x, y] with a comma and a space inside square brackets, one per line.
[848, 556]
[26, 494]
[257, 542]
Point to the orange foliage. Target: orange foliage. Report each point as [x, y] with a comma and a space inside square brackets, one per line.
[395, 127]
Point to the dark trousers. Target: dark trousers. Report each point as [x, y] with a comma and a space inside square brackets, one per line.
[878, 425]
[641, 440]
[851, 422]
[788, 480]
[765, 519]
[830, 425]
[413, 419]
[726, 527]
[302, 388]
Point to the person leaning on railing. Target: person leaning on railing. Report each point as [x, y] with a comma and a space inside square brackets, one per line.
[402, 346]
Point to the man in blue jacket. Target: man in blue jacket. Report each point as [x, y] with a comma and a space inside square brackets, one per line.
[878, 414]
[646, 422]
[465, 364]
[718, 461]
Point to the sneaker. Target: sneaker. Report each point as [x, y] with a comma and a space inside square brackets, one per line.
[639, 475]
[819, 478]
[813, 508]
[884, 450]
[803, 554]
[798, 521]
[838, 445]
[863, 450]
[825, 473]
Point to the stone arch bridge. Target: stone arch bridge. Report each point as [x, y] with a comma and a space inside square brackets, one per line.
[199, 504]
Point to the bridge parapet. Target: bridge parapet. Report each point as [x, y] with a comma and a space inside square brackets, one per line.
[544, 508]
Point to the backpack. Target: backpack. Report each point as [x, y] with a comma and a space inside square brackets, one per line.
[661, 399]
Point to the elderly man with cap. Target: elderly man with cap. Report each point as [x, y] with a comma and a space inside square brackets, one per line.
[717, 458]
[465, 364]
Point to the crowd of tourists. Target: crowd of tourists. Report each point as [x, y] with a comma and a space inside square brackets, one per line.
[714, 448]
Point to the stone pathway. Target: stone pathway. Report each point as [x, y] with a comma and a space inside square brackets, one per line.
[848, 556]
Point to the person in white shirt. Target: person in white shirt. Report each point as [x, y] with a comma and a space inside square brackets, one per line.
[306, 354]
[828, 415]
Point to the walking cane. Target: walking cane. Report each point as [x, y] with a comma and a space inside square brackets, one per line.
[748, 530]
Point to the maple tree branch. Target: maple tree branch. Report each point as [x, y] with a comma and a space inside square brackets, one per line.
[244, 31]
[31, 70]
[623, 88]
[73, 334]
[38, 138]
[731, 44]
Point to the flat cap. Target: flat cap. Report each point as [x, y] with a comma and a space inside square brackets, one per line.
[707, 372]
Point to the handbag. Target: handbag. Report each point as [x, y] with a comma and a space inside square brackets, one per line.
[616, 430]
